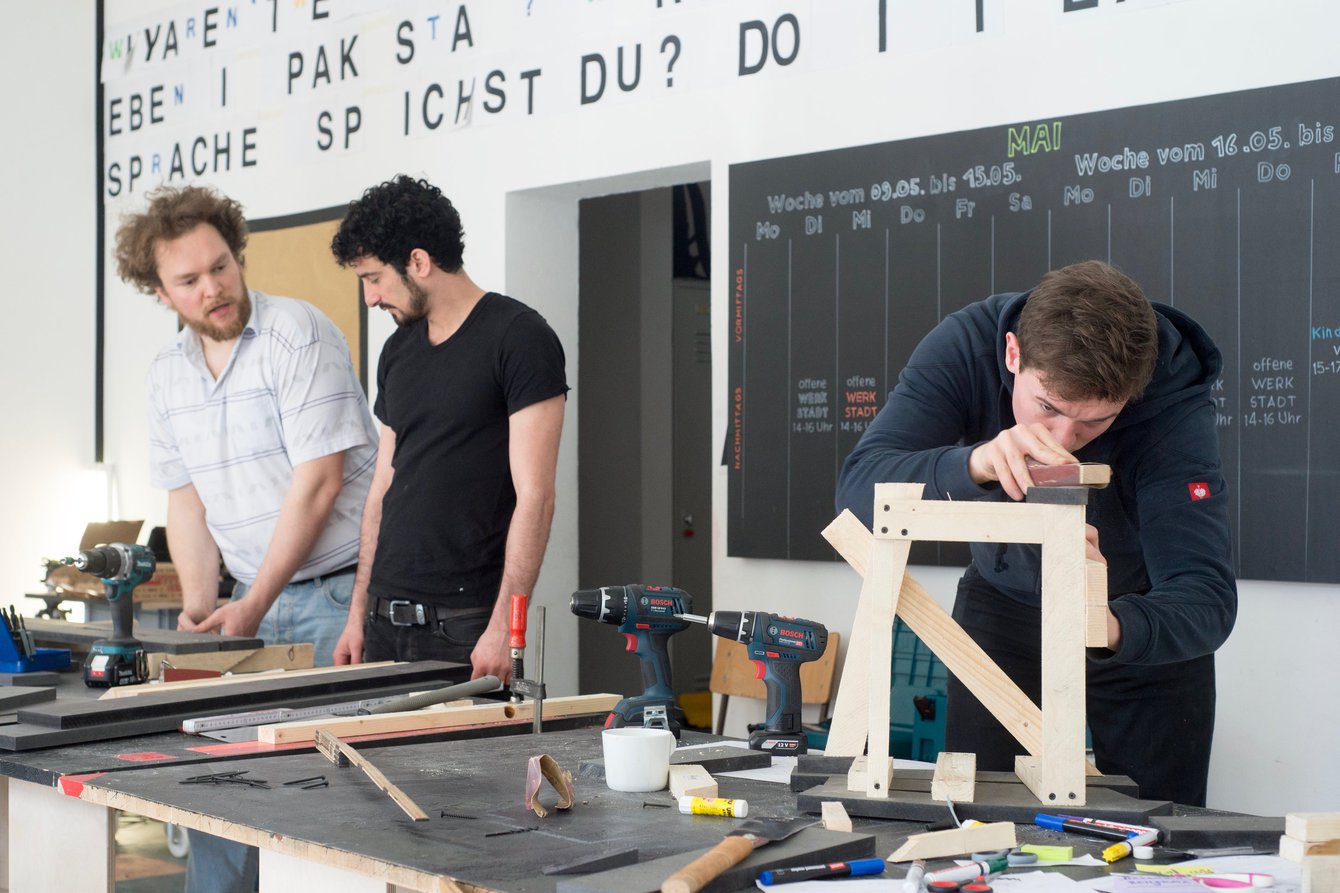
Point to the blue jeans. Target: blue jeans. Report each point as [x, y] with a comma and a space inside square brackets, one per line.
[313, 611]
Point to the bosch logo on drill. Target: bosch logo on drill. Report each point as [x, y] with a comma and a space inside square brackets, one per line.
[661, 602]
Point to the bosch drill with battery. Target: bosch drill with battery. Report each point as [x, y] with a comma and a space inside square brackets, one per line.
[647, 616]
[778, 646]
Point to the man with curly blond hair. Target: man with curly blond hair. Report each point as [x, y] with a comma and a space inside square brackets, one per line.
[260, 433]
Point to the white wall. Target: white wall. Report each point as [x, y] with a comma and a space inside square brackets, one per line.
[517, 183]
[46, 363]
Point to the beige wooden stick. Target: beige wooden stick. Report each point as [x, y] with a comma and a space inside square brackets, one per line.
[338, 752]
[422, 720]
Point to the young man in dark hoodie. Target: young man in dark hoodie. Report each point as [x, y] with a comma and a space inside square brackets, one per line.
[1081, 368]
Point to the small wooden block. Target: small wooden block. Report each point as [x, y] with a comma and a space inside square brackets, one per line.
[1321, 874]
[955, 777]
[956, 841]
[835, 817]
[1296, 850]
[1311, 827]
[1074, 474]
[691, 780]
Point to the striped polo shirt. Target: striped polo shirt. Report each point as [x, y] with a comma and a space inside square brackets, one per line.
[288, 395]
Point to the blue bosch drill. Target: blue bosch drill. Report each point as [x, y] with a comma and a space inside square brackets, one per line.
[647, 616]
[778, 646]
[119, 660]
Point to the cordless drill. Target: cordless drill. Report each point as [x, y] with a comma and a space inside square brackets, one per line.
[778, 646]
[647, 616]
[119, 660]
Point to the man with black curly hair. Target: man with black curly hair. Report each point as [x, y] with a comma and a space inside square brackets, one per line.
[470, 394]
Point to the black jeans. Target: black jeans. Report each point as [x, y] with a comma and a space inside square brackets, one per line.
[451, 635]
[1151, 723]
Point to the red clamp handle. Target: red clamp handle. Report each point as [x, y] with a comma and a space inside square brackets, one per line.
[519, 603]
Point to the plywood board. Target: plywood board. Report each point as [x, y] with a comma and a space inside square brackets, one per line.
[82, 635]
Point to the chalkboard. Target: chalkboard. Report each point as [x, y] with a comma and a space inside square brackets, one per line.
[1227, 207]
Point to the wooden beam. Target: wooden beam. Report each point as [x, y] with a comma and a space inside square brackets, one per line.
[888, 567]
[338, 752]
[1061, 762]
[955, 841]
[955, 777]
[424, 720]
[933, 520]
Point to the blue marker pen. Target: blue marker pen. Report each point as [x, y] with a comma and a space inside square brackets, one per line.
[854, 868]
[1056, 823]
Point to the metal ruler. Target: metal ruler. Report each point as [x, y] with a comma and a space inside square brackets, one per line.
[202, 725]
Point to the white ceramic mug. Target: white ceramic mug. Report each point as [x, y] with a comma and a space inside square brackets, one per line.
[637, 759]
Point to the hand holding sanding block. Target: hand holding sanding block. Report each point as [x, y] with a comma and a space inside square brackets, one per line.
[737, 846]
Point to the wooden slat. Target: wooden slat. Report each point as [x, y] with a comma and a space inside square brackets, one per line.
[422, 720]
[329, 744]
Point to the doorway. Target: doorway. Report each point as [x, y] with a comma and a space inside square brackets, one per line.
[644, 422]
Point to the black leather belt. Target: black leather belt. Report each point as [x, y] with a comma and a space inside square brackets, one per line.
[403, 612]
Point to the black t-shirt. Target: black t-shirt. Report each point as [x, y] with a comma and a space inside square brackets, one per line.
[445, 517]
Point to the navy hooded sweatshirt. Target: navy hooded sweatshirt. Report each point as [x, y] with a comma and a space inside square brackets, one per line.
[1163, 521]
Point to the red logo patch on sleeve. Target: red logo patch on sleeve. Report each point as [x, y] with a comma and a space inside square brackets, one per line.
[1198, 490]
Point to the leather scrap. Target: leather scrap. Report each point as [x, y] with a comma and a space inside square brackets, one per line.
[547, 767]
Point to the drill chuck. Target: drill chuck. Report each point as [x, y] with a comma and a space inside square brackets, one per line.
[607, 604]
[104, 561]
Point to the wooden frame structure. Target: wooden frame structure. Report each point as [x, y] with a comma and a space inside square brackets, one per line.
[1074, 614]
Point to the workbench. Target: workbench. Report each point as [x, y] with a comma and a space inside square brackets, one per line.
[42, 811]
[350, 836]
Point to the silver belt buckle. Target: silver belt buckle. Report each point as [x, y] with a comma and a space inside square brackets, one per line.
[399, 609]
